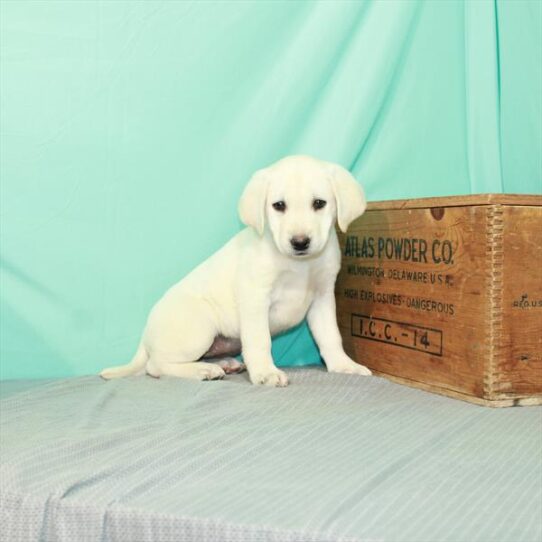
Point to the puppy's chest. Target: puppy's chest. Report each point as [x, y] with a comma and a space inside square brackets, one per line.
[291, 297]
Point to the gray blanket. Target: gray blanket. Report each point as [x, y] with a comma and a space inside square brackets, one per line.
[330, 458]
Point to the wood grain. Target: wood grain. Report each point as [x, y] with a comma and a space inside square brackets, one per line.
[457, 201]
[428, 296]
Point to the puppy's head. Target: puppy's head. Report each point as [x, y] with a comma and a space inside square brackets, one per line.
[299, 198]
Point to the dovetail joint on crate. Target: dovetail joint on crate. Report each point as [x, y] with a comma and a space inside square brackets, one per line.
[494, 277]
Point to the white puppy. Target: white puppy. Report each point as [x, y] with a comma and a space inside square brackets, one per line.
[262, 282]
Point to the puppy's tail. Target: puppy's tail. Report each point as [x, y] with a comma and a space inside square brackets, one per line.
[136, 366]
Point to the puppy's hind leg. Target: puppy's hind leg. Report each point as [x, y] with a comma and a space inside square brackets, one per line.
[178, 335]
[198, 370]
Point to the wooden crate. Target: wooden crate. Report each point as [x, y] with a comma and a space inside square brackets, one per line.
[445, 294]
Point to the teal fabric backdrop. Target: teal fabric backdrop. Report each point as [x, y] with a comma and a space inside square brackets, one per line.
[130, 127]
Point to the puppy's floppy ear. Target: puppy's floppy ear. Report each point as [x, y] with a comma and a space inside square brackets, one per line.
[349, 196]
[252, 202]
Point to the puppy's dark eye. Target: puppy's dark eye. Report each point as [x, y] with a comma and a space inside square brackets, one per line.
[318, 204]
[279, 206]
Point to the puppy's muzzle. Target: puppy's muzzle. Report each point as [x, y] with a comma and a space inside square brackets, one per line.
[300, 243]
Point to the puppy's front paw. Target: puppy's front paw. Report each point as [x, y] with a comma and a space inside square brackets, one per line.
[347, 366]
[272, 377]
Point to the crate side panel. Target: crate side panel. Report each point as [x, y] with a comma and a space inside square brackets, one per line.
[412, 295]
[519, 369]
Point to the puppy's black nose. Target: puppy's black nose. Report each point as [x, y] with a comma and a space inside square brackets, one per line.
[300, 242]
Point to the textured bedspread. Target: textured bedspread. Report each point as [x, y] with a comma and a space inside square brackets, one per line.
[330, 458]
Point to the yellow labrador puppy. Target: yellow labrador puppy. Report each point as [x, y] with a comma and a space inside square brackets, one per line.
[265, 280]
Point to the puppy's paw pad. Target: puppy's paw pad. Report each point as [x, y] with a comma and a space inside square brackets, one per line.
[231, 366]
[275, 378]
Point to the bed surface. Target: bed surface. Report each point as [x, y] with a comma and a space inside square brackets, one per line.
[330, 458]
